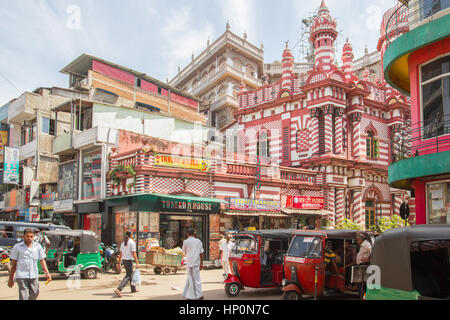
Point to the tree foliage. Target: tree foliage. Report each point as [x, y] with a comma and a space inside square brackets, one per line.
[387, 223]
[348, 224]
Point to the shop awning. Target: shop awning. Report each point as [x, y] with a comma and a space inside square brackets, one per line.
[305, 212]
[255, 213]
[169, 203]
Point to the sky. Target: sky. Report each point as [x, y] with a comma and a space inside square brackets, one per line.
[38, 38]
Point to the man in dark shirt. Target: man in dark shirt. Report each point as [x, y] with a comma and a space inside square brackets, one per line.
[350, 259]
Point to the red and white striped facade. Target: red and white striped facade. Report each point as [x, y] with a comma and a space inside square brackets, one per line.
[323, 125]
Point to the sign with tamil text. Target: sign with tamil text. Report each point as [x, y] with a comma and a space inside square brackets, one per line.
[3, 142]
[254, 204]
[297, 202]
[182, 162]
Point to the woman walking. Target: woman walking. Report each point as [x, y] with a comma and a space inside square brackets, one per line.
[127, 255]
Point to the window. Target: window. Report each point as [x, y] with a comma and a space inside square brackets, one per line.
[438, 199]
[305, 247]
[83, 122]
[370, 214]
[28, 132]
[159, 90]
[138, 82]
[262, 147]
[48, 126]
[435, 85]
[372, 146]
[92, 175]
[430, 7]
[244, 245]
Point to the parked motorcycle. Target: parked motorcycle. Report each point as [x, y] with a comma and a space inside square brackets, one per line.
[110, 256]
[4, 259]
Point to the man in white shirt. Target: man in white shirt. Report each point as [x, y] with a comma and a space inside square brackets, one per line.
[24, 257]
[225, 249]
[127, 255]
[193, 252]
[365, 249]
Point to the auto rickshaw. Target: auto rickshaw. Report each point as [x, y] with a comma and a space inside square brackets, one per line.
[414, 264]
[305, 273]
[256, 260]
[72, 250]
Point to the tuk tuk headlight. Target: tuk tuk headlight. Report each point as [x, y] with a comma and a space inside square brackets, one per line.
[284, 282]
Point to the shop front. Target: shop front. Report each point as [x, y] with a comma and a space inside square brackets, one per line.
[89, 216]
[438, 202]
[256, 214]
[162, 217]
[306, 211]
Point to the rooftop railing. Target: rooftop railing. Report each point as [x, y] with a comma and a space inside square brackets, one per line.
[421, 138]
[412, 13]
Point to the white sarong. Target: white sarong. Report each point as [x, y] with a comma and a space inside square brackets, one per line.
[193, 286]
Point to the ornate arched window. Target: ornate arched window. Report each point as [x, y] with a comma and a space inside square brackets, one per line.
[372, 145]
[263, 145]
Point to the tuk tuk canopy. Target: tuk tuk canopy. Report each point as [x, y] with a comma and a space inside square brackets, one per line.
[275, 233]
[334, 234]
[89, 240]
[392, 252]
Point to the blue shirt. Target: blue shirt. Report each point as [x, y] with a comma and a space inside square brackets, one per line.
[27, 259]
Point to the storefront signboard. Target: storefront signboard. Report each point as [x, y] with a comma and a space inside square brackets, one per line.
[3, 142]
[186, 206]
[67, 180]
[11, 166]
[63, 206]
[254, 204]
[310, 203]
[182, 162]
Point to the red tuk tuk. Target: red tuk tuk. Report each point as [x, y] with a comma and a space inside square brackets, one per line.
[256, 260]
[306, 275]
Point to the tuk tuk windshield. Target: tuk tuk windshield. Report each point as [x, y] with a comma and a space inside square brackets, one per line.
[305, 247]
[245, 245]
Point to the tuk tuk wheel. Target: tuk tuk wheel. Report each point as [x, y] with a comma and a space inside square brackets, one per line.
[232, 289]
[166, 270]
[157, 270]
[291, 295]
[174, 271]
[90, 273]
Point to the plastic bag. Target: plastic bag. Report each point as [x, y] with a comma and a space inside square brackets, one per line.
[136, 278]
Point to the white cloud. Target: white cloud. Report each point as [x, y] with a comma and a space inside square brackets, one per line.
[242, 16]
[181, 38]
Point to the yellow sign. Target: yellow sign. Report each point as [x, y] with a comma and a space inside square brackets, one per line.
[3, 142]
[182, 162]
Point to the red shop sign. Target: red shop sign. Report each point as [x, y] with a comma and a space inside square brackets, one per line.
[304, 202]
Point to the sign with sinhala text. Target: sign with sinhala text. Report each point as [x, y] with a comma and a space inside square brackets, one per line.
[304, 202]
[182, 162]
[254, 205]
[11, 166]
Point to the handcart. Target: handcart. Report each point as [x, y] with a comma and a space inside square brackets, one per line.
[164, 262]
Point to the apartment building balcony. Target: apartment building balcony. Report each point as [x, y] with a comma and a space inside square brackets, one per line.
[23, 108]
[220, 73]
[416, 24]
[224, 100]
[28, 150]
[227, 39]
[68, 143]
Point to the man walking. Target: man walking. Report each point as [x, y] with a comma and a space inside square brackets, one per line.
[225, 249]
[24, 257]
[193, 252]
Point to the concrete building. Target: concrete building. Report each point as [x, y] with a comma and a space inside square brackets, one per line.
[415, 44]
[215, 75]
[31, 125]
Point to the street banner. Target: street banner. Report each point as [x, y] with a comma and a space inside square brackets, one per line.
[34, 193]
[3, 142]
[182, 162]
[27, 176]
[11, 166]
[311, 203]
[254, 205]
[67, 181]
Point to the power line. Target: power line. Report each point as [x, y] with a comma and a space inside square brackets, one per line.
[9, 82]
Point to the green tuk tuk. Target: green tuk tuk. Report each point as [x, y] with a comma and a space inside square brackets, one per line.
[74, 250]
[413, 262]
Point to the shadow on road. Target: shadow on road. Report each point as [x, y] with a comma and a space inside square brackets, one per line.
[219, 294]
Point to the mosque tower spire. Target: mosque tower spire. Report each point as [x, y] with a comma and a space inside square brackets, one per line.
[347, 61]
[287, 65]
[323, 36]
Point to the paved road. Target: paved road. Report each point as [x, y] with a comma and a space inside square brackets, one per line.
[157, 287]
